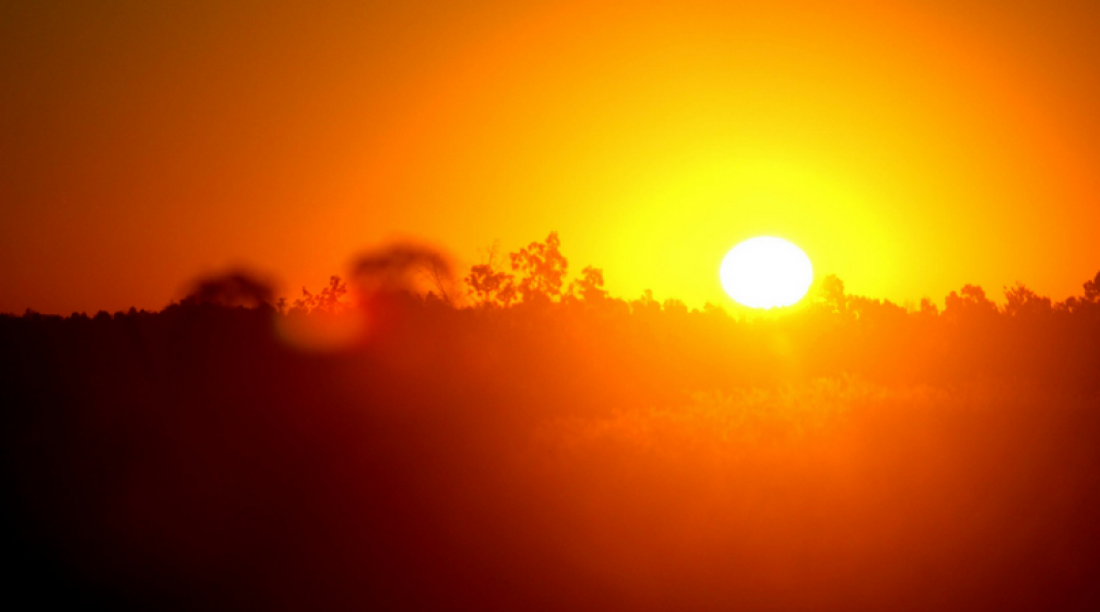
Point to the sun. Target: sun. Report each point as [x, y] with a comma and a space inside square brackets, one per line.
[766, 272]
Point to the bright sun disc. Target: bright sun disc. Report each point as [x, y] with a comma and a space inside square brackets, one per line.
[766, 272]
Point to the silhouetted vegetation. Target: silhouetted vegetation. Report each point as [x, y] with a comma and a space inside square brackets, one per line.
[523, 440]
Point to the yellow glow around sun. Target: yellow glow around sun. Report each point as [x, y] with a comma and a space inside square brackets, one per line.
[766, 272]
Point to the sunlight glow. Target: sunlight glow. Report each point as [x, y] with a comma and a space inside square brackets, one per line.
[766, 272]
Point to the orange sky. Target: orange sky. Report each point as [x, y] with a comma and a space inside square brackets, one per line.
[907, 147]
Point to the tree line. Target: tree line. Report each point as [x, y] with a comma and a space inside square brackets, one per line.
[519, 438]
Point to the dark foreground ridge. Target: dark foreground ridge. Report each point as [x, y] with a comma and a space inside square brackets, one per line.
[548, 447]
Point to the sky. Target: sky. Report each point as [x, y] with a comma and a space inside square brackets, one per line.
[908, 147]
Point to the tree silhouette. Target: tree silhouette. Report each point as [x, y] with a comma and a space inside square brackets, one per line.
[1021, 301]
[403, 268]
[969, 302]
[830, 296]
[589, 287]
[542, 268]
[327, 301]
[489, 285]
[1092, 290]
